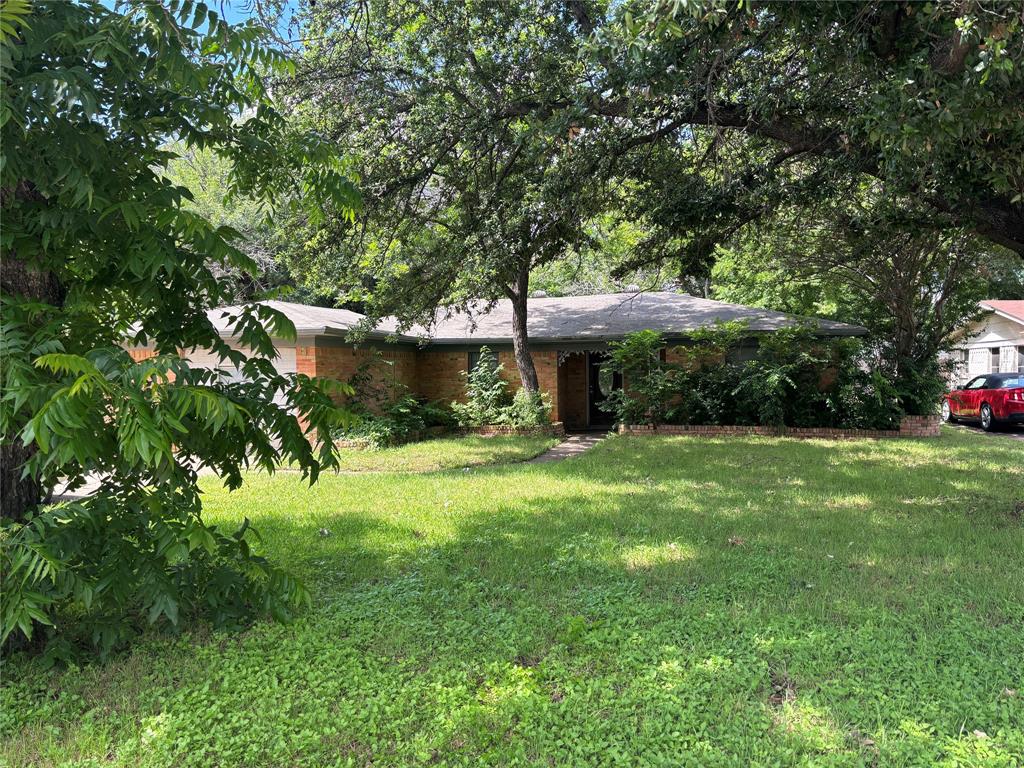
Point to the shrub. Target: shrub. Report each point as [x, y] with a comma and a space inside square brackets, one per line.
[795, 379]
[487, 395]
[385, 412]
[118, 559]
[488, 400]
[528, 409]
[650, 379]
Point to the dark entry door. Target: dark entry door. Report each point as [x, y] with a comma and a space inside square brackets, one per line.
[600, 384]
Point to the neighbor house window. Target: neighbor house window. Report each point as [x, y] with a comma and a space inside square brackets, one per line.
[994, 367]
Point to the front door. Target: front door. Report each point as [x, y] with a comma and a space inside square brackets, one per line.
[601, 382]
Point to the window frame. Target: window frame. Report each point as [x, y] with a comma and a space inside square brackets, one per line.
[473, 359]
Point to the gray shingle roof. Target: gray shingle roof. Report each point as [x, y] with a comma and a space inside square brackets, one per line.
[611, 316]
[308, 320]
[572, 318]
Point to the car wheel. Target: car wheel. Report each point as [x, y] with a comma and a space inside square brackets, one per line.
[947, 414]
[987, 422]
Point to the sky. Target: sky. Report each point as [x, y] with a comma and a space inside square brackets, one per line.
[232, 11]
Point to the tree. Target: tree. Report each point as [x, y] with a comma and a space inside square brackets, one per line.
[883, 264]
[208, 177]
[100, 249]
[817, 96]
[463, 199]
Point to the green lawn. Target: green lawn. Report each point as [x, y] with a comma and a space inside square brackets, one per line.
[657, 601]
[446, 453]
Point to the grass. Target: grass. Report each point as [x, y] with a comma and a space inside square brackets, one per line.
[447, 453]
[656, 601]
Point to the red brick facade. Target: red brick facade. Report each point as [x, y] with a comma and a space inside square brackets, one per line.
[441, 375]
[397, 368]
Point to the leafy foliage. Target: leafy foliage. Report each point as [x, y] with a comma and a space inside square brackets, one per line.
[384, 412]
[912, 285]
[649, 380]
[792, 378]
[464, 197]
[783, 103]
[401, 420]
[101, 251]
[488, 400]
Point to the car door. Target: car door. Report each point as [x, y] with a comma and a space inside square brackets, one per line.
[967, 401]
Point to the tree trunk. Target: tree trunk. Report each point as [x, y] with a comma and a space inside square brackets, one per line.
[519, 293]
[22, 493]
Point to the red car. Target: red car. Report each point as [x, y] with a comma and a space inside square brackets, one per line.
[990, 399]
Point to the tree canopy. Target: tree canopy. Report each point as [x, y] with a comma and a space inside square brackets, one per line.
[790, 102]
[481, 128]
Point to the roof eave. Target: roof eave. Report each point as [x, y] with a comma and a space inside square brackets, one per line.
[1001, 313]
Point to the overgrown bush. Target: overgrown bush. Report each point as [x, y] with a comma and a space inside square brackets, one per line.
[528, 409]
[385, 412]
[117, 560]
[794, 378]
[405, 419]
[488, 400]
[649, 396]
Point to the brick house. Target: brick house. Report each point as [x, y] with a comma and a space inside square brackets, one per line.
[568, 339]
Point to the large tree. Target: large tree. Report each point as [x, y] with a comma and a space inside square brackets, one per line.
[887, 265]
[101, 250]
[814, 96]
[463, 198]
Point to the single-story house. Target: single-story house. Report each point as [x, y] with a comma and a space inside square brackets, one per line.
[993, 344]
[568, 340]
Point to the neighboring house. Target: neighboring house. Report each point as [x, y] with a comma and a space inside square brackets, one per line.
[568, 339]
[994, 344]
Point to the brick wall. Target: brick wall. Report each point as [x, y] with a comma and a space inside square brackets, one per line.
[556, 429]
[141, 353]
[440, 375]
[546, 363]
[396, 368]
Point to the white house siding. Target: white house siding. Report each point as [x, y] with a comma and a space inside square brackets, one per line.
[285, 362]
[995, 344]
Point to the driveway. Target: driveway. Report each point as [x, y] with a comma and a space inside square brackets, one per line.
[1011, 432]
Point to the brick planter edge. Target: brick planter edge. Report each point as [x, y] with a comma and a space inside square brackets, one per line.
[910, 426]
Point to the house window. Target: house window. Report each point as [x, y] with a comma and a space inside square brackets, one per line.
[474, 360]
[994, 366]
[1020, 359]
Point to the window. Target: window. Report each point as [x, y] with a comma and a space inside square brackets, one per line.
[1020, 359]
[1011, 382]
[474, 360]
[994, 365]
[977, 383]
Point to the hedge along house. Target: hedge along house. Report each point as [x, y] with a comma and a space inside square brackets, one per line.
[569, 339]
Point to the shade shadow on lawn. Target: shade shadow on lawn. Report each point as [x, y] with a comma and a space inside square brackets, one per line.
[668, 601]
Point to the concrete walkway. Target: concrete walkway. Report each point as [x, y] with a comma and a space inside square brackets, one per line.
[573, 445]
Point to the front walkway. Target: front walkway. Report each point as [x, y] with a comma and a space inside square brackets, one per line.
[573, 445]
